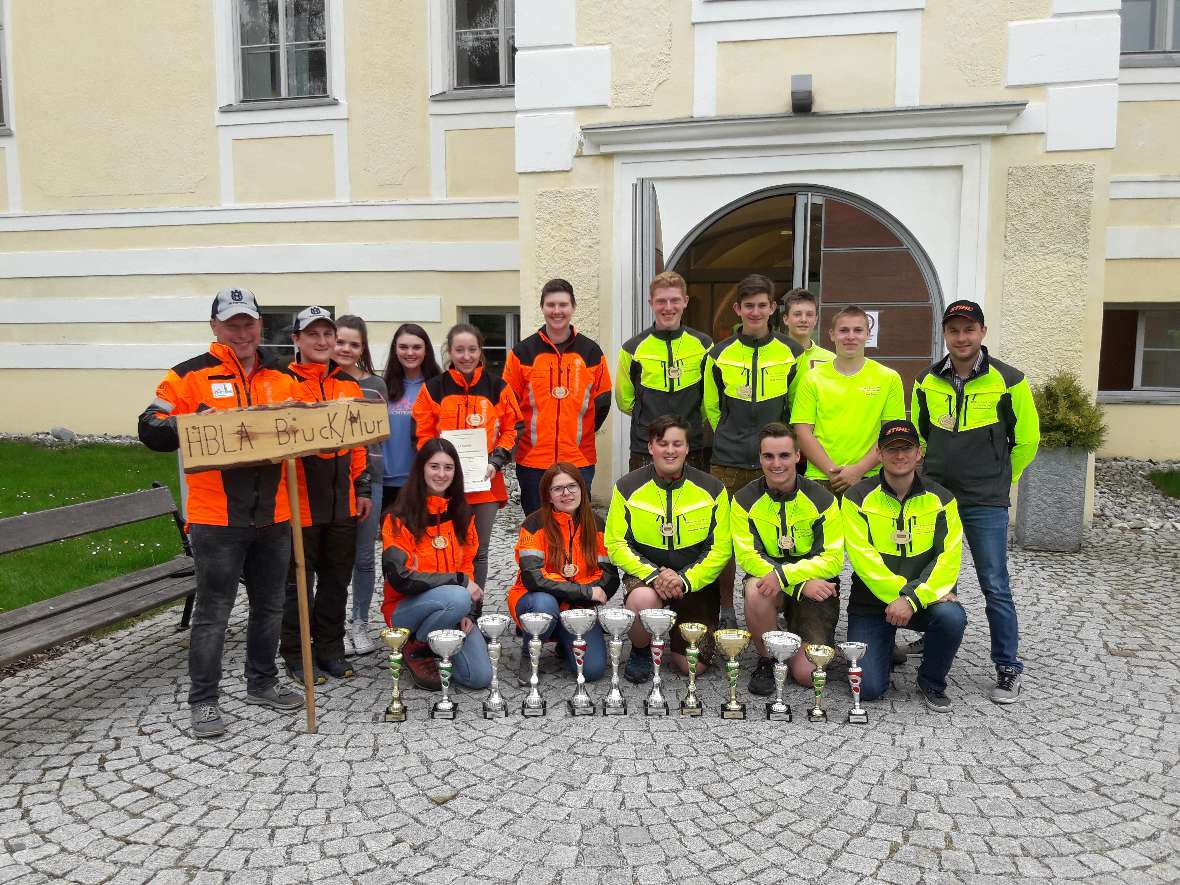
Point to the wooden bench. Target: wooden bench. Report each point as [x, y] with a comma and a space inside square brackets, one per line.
[42, 625]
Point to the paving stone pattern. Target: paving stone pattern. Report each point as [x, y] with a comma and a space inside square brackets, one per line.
[100, 781]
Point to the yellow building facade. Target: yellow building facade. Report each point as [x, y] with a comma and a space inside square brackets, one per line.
[438, 160]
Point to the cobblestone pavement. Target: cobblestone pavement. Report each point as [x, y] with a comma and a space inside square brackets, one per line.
[100, 782]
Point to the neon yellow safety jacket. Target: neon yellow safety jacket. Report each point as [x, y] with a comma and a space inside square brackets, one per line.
[910, 547]
[661, 372]
[682, 525]
[798, 535]
[978, 440]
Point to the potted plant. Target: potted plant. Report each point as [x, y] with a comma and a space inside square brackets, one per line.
[1050, 509]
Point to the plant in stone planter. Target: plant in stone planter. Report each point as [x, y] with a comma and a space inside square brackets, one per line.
[1051, 506]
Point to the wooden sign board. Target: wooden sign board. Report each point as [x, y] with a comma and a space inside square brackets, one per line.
[267, 434]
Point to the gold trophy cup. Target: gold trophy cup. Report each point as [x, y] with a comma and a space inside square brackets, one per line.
[692, 633]
[394, 638]
[732, 643]
[820, 656]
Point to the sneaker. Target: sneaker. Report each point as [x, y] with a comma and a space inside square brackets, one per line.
[525, 671]
[762, 679]
[422, 664]
[1007, 686]
[639, 666]
[206, 721]
[362, 642]
[295, 671]
[337, 668]
[917, 648]
[278, 696]
[935, 700]
[349, 651]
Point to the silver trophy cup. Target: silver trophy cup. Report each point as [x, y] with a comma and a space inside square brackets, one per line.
[578, 621]
[616, 622]
[780, 645]
[445, 643]
[657, 622]
[534, 623]
[493, 627]
[854, 651]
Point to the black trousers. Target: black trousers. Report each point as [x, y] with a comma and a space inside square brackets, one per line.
[329, 552]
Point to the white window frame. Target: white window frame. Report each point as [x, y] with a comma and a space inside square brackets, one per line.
[444, 57]
[1165, 14]
[240, 98]
[511, 325]
[1140, 334]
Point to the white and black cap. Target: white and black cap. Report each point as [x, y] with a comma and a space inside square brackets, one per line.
[310, 315]
[231, 302]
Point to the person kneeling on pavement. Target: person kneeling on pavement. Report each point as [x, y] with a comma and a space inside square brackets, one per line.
[429, 541]
[904, 539]
[789, 539]
[668, 530]
[563, 564]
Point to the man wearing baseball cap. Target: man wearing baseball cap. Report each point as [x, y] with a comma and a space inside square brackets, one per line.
[979, 425]
[904, 540]
[237, 518]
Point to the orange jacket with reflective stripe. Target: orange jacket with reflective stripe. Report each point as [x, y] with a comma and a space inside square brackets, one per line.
[451, 402]
[241, 496]
[564, 395]
[414, 565]
[329, 482]
[540, 573]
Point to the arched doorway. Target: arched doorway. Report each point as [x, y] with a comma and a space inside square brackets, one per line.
[842, 248]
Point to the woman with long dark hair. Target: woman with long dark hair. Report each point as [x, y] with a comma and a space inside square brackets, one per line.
[429, 541]
[410, 364]
[466, 397]
[354, 358]
[563, 564]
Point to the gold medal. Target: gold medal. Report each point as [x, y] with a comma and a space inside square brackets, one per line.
[745, 390]
[667, 529]
[901, 538]
[474, 420]
[439, 542]
[673, 372]
[569, 570]
[786, 542]
[560, 392]
[946, 422]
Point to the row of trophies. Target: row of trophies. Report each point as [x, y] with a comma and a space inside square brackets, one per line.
[616, 622]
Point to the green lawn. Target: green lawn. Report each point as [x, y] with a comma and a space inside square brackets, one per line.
[1167, 481]
[35, 477]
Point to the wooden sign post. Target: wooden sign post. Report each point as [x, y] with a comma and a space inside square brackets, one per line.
[216, 440]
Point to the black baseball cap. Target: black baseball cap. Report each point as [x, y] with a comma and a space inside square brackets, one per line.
[968, 310]
[894, 431]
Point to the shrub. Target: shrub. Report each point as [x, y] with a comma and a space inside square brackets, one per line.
[1069, 416]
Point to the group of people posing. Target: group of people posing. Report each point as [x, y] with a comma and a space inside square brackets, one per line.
[720, 433]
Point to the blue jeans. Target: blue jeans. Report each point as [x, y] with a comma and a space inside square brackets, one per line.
[594, 664]
[364, 572]
[442, 609]
[223, 555]
[529, 479]
[943, 624]
[986, 530]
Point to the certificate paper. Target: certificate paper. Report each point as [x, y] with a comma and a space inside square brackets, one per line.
[472, 446]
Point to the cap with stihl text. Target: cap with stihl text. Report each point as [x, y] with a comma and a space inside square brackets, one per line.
[310, 315]
[231, 302]
[968, 310]
[897, 431]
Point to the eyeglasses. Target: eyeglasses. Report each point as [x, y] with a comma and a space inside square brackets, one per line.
[562, 491]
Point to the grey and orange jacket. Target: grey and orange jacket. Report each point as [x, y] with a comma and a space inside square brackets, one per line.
[414, 565]
[541, 573]
[558, 428]
[977, 441]
[241, 496]
[329, 482]
[449, 401]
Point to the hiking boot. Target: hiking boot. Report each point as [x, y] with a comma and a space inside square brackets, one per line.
[917, 648]
[762, 679]
[337, 668]
[639, 666]
[206, 721]
[934, 700]
[362, 642]
[278, 696]
[295, 671]
[422, 664]
[1007, 686]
